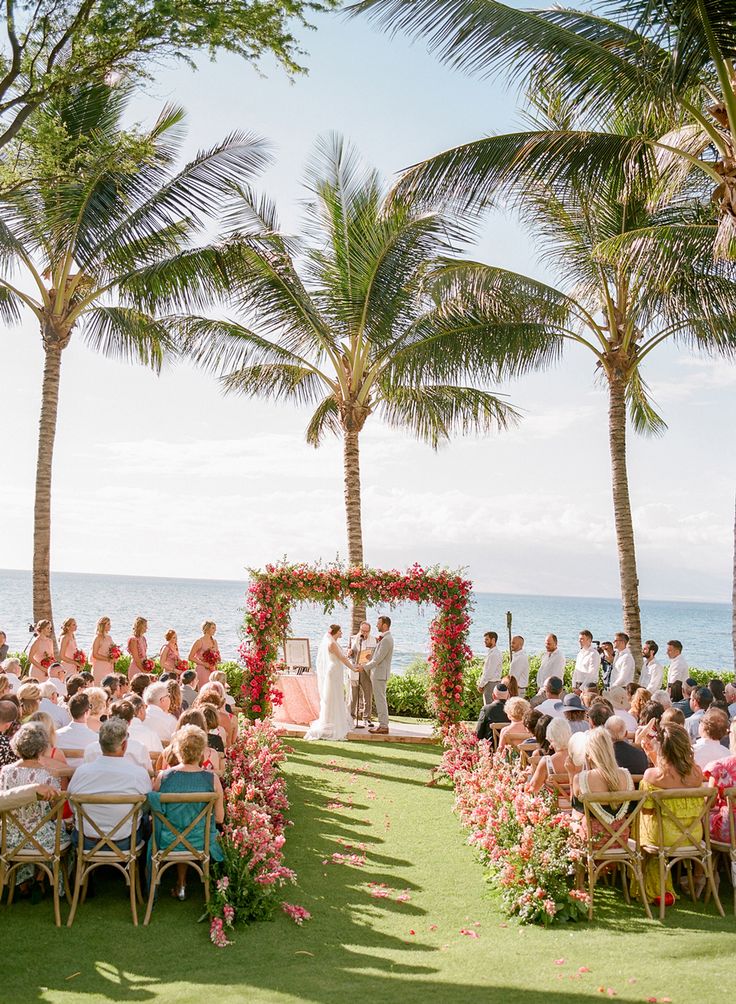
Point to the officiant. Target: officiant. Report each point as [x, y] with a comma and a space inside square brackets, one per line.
[362, 647]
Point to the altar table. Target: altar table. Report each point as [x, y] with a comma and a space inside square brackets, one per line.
[301, 698]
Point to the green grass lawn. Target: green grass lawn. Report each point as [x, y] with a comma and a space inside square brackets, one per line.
[346, 797]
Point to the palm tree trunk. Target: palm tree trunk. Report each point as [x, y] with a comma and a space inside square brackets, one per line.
[622, 516]
[351, 463]
[42, 511]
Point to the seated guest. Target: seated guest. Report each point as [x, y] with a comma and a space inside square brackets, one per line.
[589, 693]
[109, 774]
[530, 720]
[139, 683]
[24, 794]
[75, 685]
[214, 732]
[721, 775]
[669, 749]
[57, 677]
[540, 735]
[218, 676]
[30, 744]
[188, 776]
[76, 735]
[627, 755]
[214, 694]
[683, 702]
[574, 712]
[158, 718]
[620, 702]
[49, 704]
[188, 688]
[558, 736]
[730, 694]
[662, 697]
[713, 729]
[717, 689]
[700, 700]
[12, 669]
[638, 700]
[598, 714]
[672, 716]
[652, 709]
[175, 707]
[135, 751]
[54, 757]
[123, 685]
[601, 775]
[213, 759]
[9, 725]
[552, 704]
[493, 713]
[29, 695]
[4, 686]
[139, 728]
[98, 698]
[89, 678]
[111, 684]
[516, 708]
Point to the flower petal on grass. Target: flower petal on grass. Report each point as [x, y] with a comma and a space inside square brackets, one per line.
[469, 933]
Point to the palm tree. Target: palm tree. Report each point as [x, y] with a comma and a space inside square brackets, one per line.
[102, 237]
[366, 314]
[648, 54]
[635, 253]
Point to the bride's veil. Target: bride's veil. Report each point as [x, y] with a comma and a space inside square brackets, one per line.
[323, 661]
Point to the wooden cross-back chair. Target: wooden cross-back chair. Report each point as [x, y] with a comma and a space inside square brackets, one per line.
[691, 845]
[614, 842]
[20, 845]
[106, 850]
[727, 849]
[496, 732]
[180, 849]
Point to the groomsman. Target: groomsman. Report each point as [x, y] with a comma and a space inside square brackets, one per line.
[678, 668]
[519, 667]
[361, 644]
[651, 671]
[587, 662]
[552, 664]
[623, 664]
[492, 667]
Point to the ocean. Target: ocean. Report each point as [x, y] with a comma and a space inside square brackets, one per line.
[703, 628]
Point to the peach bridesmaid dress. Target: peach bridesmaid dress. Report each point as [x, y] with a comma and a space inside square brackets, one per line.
[67, 649]
[41, 648]
[103, 667]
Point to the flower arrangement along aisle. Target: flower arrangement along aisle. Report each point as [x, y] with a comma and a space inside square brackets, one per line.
[248, 883]
[273, 592]
[526, 843]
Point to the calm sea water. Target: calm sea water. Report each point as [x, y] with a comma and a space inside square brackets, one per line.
[704, 628]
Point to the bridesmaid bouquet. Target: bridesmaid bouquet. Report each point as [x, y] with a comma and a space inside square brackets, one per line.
[46, 661]
[115, 652]
[80, 658]
[182, 666]
[211, 657]
[148, 665]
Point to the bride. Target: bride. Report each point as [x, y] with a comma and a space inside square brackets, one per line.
[334, 720]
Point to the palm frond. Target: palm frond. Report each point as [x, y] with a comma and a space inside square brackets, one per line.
[433, 413]
[130, 335]
[276, 381]
[644, 417]
[324, 421]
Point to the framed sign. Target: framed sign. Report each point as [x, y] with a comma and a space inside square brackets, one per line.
[297, 655]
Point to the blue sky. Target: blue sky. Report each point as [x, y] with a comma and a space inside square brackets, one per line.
[164, 476]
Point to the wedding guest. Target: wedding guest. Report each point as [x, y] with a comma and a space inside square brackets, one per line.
[49, 705]
[158, 718]
[730, 693]
[628, 755]
[110, 772]
[511, 685]
[169, 654]
[652, 672]
[607, 654]
[112, 687]
[213, 760]
[4, 686]
[655, 710]
[219, 676]
[574, 712]
[678, 668]
[639, 700]
[188, 688]
[12, 669]
[516, 731]
[558, 736]
[174, 690]
[717, 689]
[98, 698]
[188, 776]
[76, 736]
[530, 719]
[204, 663]
[540, 737]
[102, 664]
[700, 700]
[598, 714]
[552, 663]
[672, 716]
[362, 646]
[493, 713]
[24, 794]
[721, 775]
[215, 735]
[29, 695]
[678, 698]
[620, 701]
[75, 685]
[623, 664]
[492, 667]
[552, 704]
[9, 725]
[587, 662]
[41, 651]
[662, 697]
[589, 694]
[54, 758]
[519, 667]
[3, 646]
[139, 683]
[602, 775]
[57, 679]
[135, 751]
[68, 647]
[713, 728]
[214, 694]
[139, 728]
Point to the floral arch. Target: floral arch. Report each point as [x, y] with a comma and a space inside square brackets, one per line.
[274, 591]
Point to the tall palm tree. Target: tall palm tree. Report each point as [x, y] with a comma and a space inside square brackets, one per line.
[651, 54]
[634, 252]
[364, 315]
[102, 240]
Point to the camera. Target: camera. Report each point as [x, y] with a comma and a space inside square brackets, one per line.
[32, 628]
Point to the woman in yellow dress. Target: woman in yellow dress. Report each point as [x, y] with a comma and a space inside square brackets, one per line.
[668, 748]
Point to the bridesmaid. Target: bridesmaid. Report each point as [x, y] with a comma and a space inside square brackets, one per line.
[137, 647]
[102, 664]
[169, 654]
[42, 648]
[68, 646]
[204, 644]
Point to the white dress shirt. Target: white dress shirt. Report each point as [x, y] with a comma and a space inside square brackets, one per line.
[160, 722]
[631, 723]
[60, 716]
[492, 667]
[651, 677]
[520, 668]
[60, 687]
[135, 752]
[75, 736]
[14, 682]
[587, 667]
[139, 731]
[705, 751]
[678, 669]
[109, 775]
[623, 668]
[552, 664]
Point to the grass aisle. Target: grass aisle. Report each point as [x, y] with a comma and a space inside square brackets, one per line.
[411, 873]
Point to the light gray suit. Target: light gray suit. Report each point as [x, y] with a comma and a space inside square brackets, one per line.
[380, 670]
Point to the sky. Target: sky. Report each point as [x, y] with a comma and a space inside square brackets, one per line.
[165, 476]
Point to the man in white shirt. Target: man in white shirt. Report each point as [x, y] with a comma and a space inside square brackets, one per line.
[135, 751]
[553, 704]
[731, 698]
[76, 735]
[110, 774]
[587, 662]
[57, 677]
[678, 668]
[519, 667]
[714, 727]
[700, 700]
[652, 672]
[138, 728]
[623, 663]
[158, 702]
[50, 704]
[552, 663]
[492, 667]
[12, 669]
[619, 698]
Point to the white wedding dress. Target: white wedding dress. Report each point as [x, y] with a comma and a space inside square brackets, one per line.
[334, 718]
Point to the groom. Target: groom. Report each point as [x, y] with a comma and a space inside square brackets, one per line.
[380, 669]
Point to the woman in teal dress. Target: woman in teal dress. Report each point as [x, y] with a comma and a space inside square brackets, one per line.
[190, 746]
